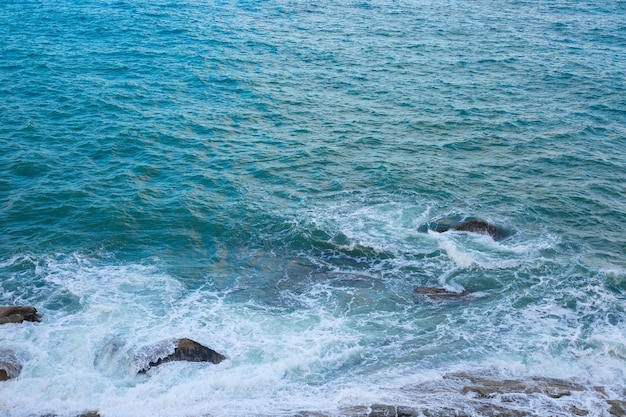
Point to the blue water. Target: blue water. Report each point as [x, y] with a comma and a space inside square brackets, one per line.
[265, 178]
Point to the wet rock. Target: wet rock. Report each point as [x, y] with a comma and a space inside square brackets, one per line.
[492, 410]
[355, 411]
[380, 410]
[478, 226]
[475, 226]
[434, 293]
[89, 414]
[84, 414]
[10, 366]
[578, 411]
[486, 387]
[179, 350]
[618, 408]
[445, 412]
[18, 314]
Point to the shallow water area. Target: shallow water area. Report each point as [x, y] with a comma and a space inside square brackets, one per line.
[268, 179]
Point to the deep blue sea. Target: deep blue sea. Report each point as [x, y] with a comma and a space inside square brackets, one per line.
[267, 178]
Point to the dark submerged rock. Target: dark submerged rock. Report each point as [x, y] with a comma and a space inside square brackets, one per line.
[474, 226]
[18, 314]
[478, 226]
[434, 293]
[186, 350]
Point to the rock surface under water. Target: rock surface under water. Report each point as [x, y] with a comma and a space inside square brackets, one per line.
[434, 293]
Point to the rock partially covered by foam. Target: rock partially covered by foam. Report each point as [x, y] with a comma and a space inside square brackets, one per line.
[10, 366]
[18, 314]
[175, 350]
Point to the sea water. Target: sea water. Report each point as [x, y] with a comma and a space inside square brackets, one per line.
[265, 178]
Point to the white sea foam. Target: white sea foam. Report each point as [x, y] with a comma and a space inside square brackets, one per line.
[350, 342]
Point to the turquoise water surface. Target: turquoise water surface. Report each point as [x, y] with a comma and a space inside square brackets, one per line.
[266, 178]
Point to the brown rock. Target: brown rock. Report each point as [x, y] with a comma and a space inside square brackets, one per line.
[187, 350]
[18, 314]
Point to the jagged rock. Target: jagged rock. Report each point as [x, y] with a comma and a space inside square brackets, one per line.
[434, 293]
[179, 350]
[10, 366]
[18, 314]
